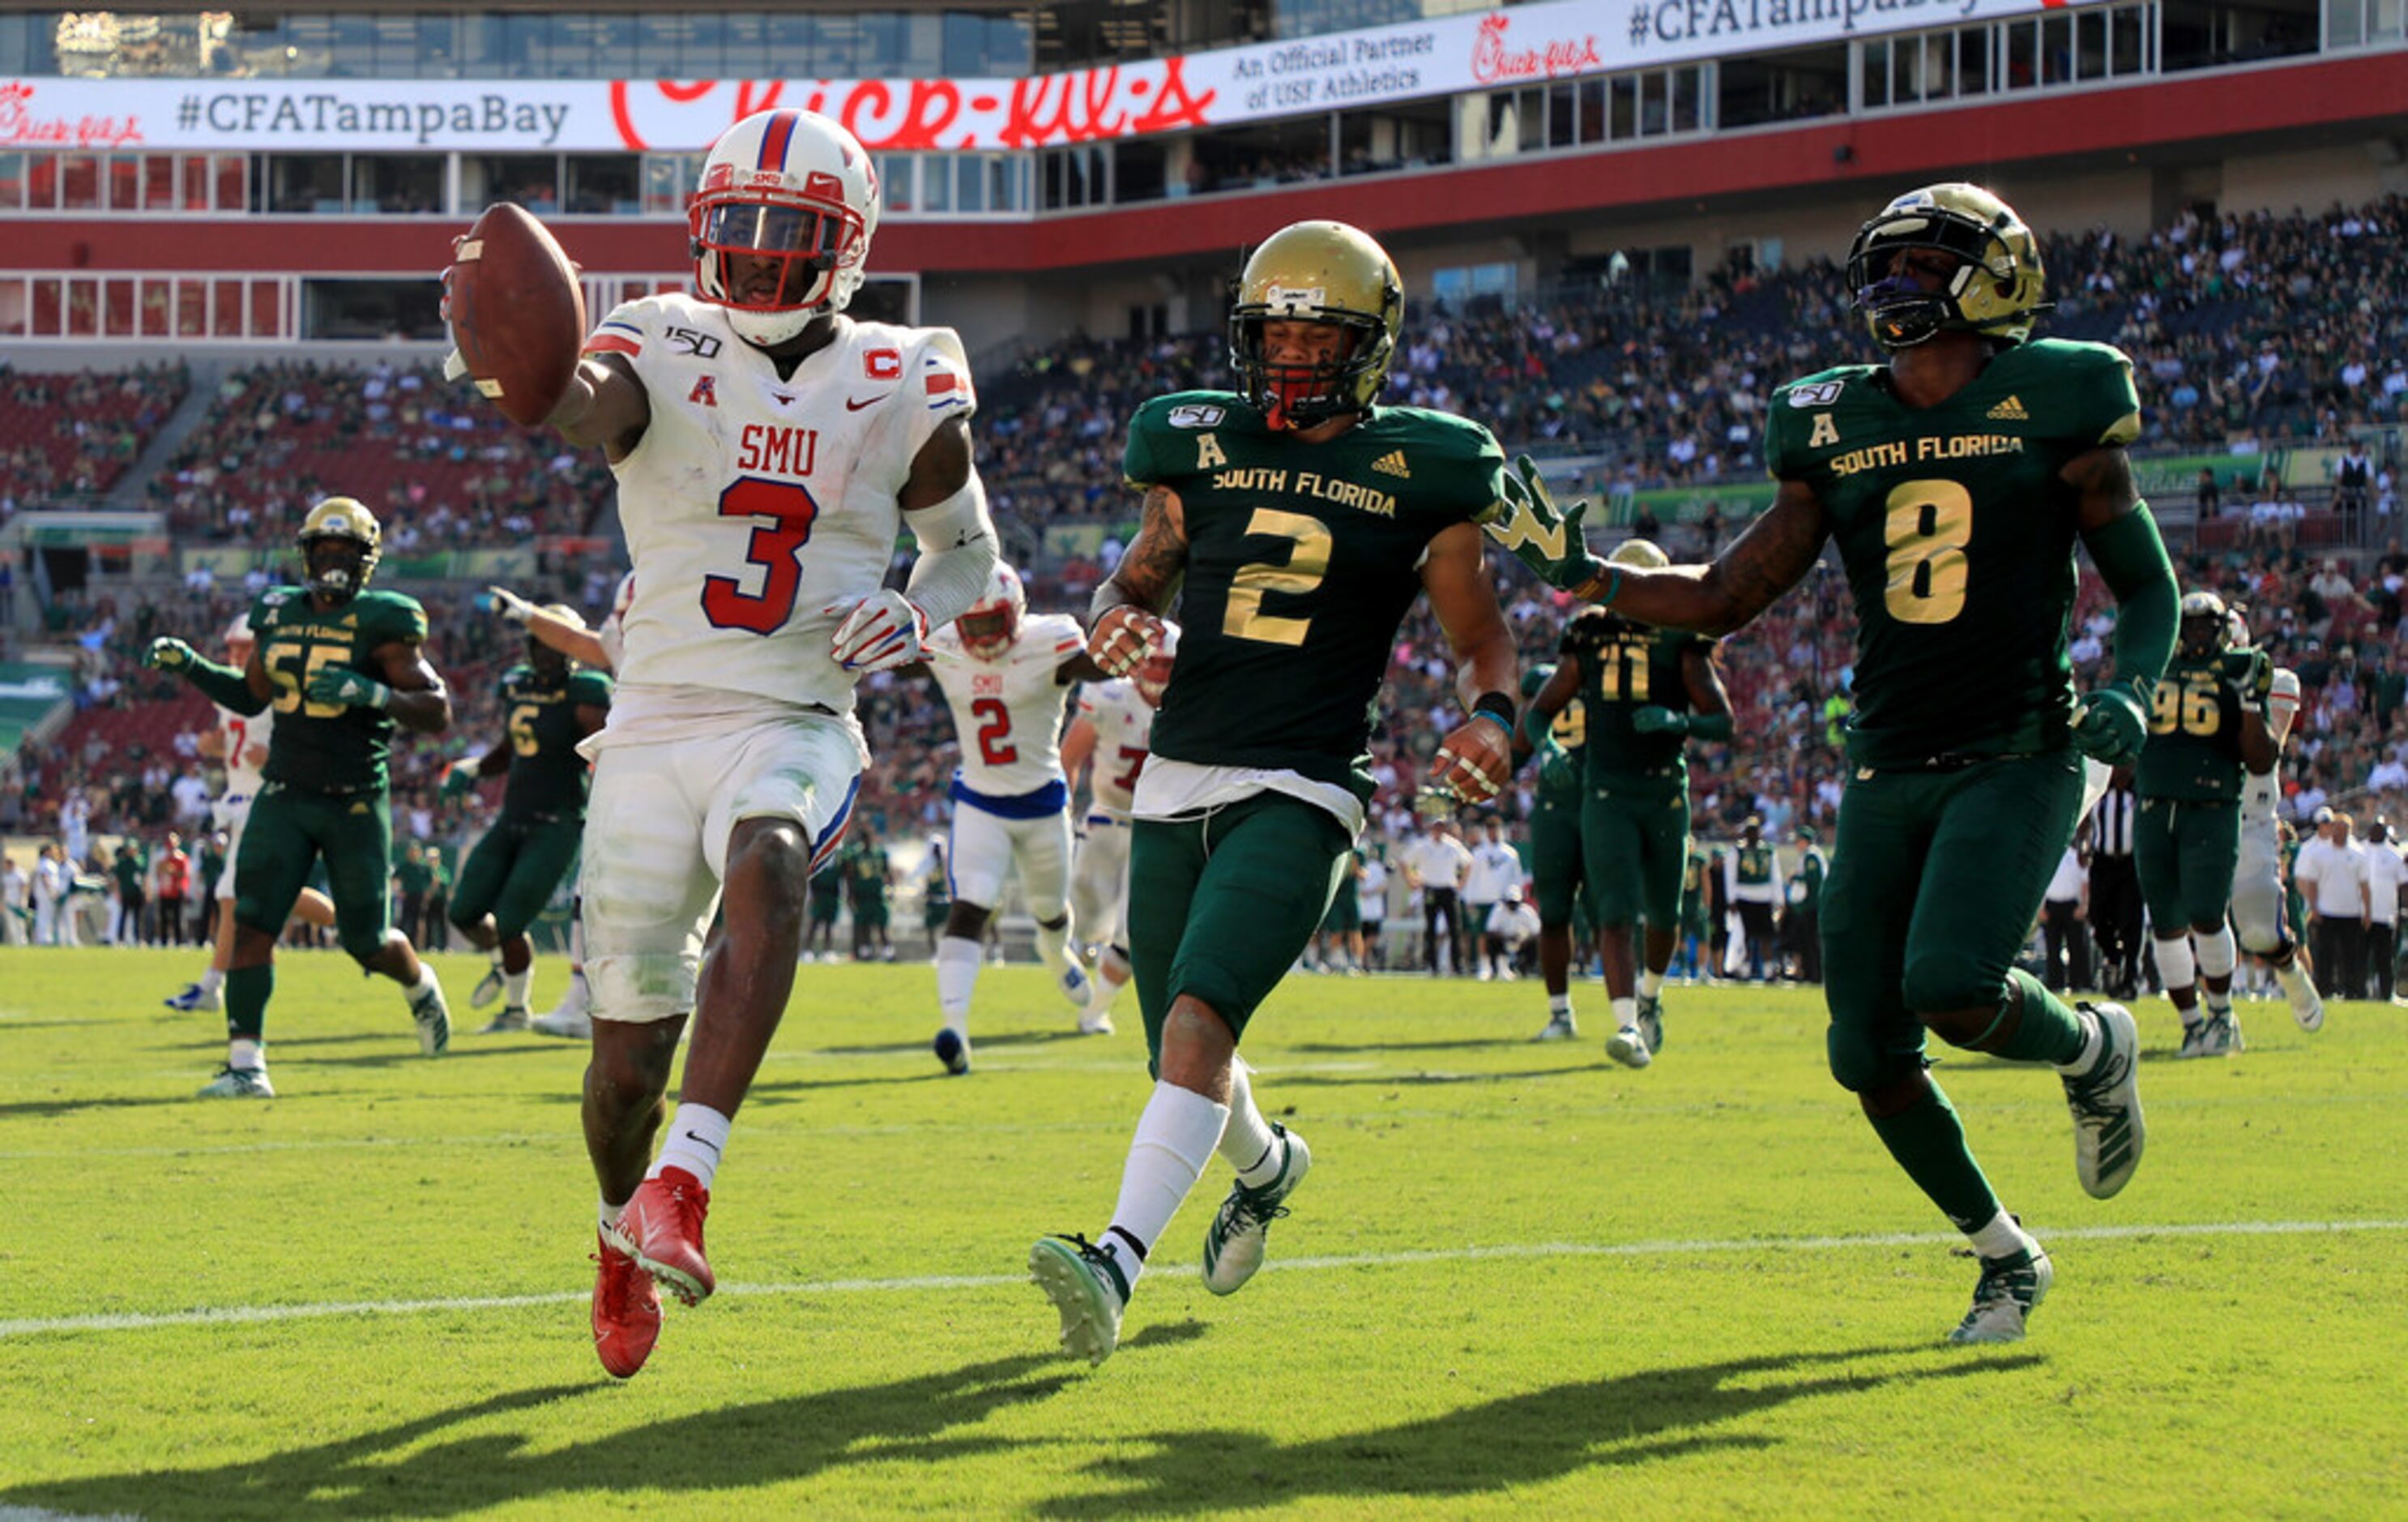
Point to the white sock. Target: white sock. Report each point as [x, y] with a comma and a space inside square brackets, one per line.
[514, 988]
[242, 1052]
[1175, 1138]
[1111, 975]
[1247, 1139]
[611, 1213]
[958, 971]
[2176, 968]
[212, 982]
[1999, 1237]
[1651, 983]
[698, 1137]
[1054, 946]
[2217, 955]
[1626, 1012]
[423, 986]
[1561, 1005]
[2093, 1040]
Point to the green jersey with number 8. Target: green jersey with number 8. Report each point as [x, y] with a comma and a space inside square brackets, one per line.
[1956, 534]
[1302, 559]
[320, 747]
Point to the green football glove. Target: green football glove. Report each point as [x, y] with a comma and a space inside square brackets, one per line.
[167, 653]
[1655, 719]
[1558, 768]
[459, 779]
[348, 689]
[1526, 522]
[2111, 725]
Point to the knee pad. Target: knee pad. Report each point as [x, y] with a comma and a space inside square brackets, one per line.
[1859, 1065]
[361, 945]
[2216, 953]
[2176, 968]
[1939, 982]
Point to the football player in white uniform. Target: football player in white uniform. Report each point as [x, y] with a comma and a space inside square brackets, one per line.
[2259, 902]
[1111, 733]
[1007, 676]
[768, 450]
[240, 740]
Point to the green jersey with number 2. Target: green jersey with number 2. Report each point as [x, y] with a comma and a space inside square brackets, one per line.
[319, 747]
[1956, 534]
[1302, 560]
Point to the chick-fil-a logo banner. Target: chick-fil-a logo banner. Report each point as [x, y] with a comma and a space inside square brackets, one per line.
[1501, 49]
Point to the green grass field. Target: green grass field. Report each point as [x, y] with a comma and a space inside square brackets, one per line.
[1521, 1280]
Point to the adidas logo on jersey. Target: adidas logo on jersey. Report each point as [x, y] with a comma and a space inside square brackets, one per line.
[1393, 464]
[2010, 411]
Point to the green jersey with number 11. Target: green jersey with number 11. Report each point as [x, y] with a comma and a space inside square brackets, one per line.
[1302, 559]
[1957, 533]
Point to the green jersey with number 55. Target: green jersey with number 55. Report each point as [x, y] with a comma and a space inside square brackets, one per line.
[1302, 559]
[319, 747]
[1956, 534]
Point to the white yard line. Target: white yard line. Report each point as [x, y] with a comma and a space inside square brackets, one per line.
[246, 1315]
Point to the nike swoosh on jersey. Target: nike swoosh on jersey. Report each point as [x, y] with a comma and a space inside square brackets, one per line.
[854, 404]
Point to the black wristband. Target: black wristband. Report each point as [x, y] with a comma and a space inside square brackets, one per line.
[1497, 707]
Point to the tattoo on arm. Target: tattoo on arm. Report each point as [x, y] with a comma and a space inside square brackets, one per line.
[2104, 479]
[1772, 555]
[1149, 572]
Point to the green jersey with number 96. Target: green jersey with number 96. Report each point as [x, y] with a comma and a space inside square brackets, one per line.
[1956, 534]
[320, 747]
[1302, 560]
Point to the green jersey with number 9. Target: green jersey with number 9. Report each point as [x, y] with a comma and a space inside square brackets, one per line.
[1956, 534]
[320, 747]
[1302, 559]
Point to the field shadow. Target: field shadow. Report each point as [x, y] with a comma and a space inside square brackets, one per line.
[51, 1108]
[724, 1449]
[1500, 1445]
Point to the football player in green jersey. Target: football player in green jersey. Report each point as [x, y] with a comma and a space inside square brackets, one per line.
[1304, 520]
[510, 875]
[1643, 691]
[2207, 721]
[342, 666]
[1956, 480]
[1554, 847]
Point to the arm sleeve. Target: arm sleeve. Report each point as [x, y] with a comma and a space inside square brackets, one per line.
[225, 686]
[2131, 558]
[957, 551]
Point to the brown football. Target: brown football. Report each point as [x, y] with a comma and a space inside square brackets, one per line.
[517, 311]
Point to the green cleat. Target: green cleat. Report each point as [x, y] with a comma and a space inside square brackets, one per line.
[2108, 1132]
[1651, 1022]
[434, 1017]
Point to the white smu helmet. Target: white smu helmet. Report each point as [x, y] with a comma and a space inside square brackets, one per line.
[993, 621]
[796, 190]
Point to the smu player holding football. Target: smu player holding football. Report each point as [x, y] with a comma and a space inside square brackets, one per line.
[1113, 730]
[1007, 678]
[767, 449]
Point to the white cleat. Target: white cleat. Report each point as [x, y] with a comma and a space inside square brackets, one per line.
[238, 1083]
[1561, 1027]
[1072, 979]
[2108, 1131]
[208, 1000]
[1240, 1230]
[1097, 1024]
[2004, 1298]
[2307, 1006]
[488, 989]
[434, 1019]
[1628, 1047]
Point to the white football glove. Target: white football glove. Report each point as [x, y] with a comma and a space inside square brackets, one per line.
[509, 605]
[880, 633]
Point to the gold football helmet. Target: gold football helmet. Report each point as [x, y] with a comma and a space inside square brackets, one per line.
[2206, 624]
[1995, 289]
[1317, 272]
[1643, 554]
[339, 521]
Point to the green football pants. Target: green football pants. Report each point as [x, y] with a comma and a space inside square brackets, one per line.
[512, 872]
[1635, 842]
[1220, 905]
[288, 833]
[2186, 854]
[1936, 878]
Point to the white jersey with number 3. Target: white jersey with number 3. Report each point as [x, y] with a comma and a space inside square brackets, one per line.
[1008, 711]
[754, 503]
[1123, 724]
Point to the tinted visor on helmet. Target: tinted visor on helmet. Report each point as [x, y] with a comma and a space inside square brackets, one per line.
[986, 628]
[1298, 395]
[1900, 307]
[772, 257]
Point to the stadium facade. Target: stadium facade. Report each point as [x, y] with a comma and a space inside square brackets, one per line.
[260, 176]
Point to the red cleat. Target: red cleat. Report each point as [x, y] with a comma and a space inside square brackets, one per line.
[626, 1310]
[664, 1224]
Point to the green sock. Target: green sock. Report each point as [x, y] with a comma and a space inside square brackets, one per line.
[246, 1000]
[2049, 1030]
[1928, 1143]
